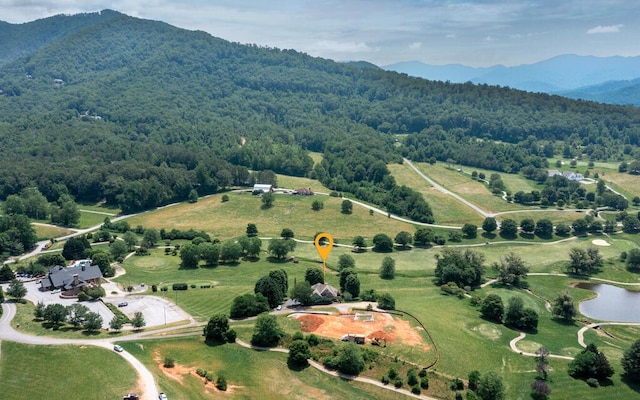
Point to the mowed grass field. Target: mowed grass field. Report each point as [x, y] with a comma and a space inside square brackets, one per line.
[250, 374]
[446, 210]
[462, 184]
[63, 372]
[229, 219]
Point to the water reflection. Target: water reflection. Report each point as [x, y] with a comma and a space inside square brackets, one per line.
[612, 304]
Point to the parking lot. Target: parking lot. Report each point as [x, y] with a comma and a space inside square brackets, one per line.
[157, 311]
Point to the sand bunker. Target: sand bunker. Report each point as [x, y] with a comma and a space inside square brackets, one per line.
[383, 327]
[600, 242]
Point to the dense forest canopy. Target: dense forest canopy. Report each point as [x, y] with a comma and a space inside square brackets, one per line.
[139, 113]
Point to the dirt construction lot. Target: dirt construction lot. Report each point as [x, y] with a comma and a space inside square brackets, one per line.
[383, 326]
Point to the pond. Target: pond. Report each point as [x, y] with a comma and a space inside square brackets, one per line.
[612, 304]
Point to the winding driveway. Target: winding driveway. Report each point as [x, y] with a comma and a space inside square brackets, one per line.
[7, 332]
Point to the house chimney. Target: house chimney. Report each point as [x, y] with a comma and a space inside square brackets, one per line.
[75, 279]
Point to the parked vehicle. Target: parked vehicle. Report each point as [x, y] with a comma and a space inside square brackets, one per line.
[162, 396]
[123, 304]
[118, 348]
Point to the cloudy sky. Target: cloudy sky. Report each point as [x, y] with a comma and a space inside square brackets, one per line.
[470, 32]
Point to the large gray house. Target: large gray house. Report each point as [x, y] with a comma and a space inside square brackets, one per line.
[68, 278]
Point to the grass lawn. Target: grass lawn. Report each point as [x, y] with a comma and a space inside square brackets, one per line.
[229, 219]
[445, 210]
[462, 184]
[44, 232]
[249, 374]
[63, 372]
[90, 219]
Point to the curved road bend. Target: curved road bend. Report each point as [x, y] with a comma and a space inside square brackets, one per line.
[446, 191]
[149, 388]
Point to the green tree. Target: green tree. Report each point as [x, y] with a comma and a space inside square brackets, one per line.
[509, 228]
[118, 249]
[150, 237]
[267, 332]
[346, 261]
[2, 296]
[489, 224]
[491, 387]
[544, 228]
[267, 200]
[6, 273]
[210, 252]
[299, 354]
[388, 268]
[287, 233]
[103, 261]
[16, 289]
[302, 292]
[527, 225]
[386, 302]
[382, 243]
[92, 322]
[314, 275]
[252, 230]
[74, 248]
[563, 306]
[193, 196]
[562, 229]
[352, 285]
[55, 313]
[189, 256]
[115, 324]
[423, 236]
[317, 205]
[271, 289]
[633, 260]
[349, 359]
[230, 251]
[590, 363]
[470, 230]
[343, 275]
[359, 242]
[138, 321]
[347, 207]
[492, 308]
[584, 261]
[217, 329]
[404, 239]
[510, 269]
[76, 314]
[464, 268]
[130, 239]
[279, 248]
[631, 362]
[248, 305]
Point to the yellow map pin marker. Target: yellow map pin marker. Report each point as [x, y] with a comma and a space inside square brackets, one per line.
[324, 250]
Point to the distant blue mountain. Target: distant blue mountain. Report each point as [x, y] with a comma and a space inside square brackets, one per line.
[614, 92]
[585, 77]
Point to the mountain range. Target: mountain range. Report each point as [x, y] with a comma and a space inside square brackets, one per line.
[614, 80]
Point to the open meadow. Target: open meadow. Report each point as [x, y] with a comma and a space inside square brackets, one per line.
[463, 341]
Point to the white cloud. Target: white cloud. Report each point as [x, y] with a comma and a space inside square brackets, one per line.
[415, 45]
[605, 29]
[344, 47]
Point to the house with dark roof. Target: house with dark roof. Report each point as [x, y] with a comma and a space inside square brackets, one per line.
[68, 278]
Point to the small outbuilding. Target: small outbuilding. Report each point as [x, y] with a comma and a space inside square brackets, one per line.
[262, 187]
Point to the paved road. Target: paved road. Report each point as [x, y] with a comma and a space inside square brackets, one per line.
[7, 332]
[448, 192]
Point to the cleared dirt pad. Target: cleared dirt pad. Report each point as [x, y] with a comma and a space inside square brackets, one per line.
[383, 327]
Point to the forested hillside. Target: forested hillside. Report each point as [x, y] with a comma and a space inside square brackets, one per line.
[140, 113]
